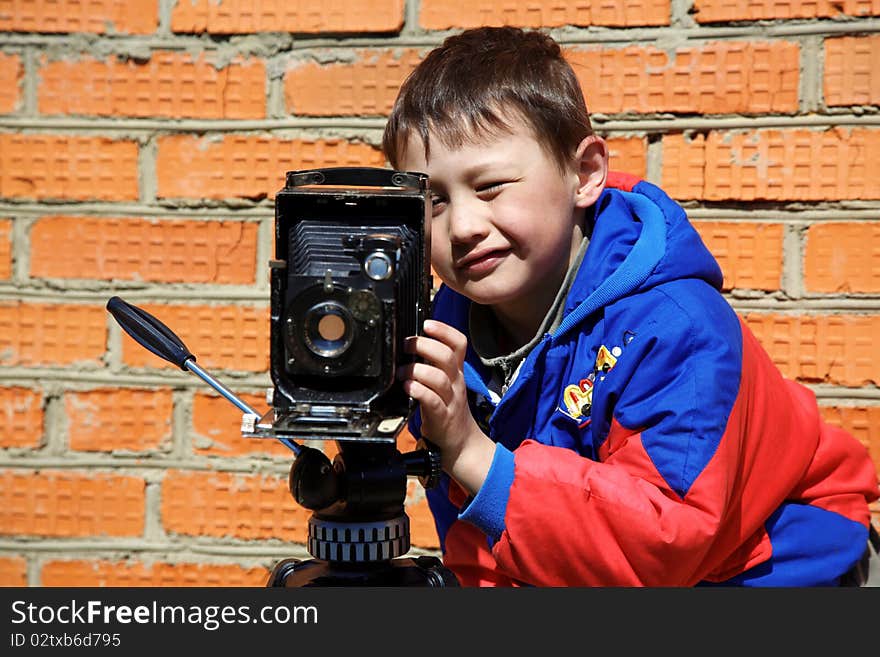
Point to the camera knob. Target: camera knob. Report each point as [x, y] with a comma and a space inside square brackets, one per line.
[432, 478]
[424, 463]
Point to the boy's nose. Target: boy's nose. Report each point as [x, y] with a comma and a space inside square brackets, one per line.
[467, 222]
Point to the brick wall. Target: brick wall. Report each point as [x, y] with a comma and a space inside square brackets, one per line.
[141, 145]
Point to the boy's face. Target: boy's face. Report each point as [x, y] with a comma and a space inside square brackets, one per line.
[506, 220]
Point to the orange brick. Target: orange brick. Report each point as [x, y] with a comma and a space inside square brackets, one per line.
[221, 504]
[13, 571]
[169, 84]
[95, 16]
[628, 154]
[776, 165]
[708, 11]
[5, 249]
[119, 419]
[851, 75]
[163, 250]
[863, 422]
[445, 14]
[836, 349]
[242, 16]
[103, 573]
[227, 337]
[51, 334]
[422, 530]
[405, 441]
[21, 416]
[11, 73]
[843, 257]
[244, 166]
[217, 428]
[749, 253]
[68, 168]
[366, 86]
[67, 504]
[718, 78]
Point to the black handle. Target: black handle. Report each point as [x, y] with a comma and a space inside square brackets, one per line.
[149, 332]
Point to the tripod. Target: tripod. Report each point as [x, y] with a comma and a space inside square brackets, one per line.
[358, 531]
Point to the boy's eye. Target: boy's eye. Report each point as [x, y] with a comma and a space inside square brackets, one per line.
[490, 188]
[437, 204]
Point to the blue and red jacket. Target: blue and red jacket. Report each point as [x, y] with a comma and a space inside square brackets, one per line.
[649, 439]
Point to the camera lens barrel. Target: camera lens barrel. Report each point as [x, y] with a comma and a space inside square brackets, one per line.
[329, 329]
[333, 331]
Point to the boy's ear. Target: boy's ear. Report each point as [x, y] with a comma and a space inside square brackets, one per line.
[591, 161]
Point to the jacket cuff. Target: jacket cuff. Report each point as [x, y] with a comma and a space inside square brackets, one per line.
[487, 508]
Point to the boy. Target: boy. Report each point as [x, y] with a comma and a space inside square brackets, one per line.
[603, 416]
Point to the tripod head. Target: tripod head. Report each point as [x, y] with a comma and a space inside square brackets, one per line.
[358, 531]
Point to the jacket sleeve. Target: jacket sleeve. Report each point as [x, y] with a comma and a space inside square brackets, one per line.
[700, 440]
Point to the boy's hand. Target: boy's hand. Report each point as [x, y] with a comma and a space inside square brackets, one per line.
[437, 384]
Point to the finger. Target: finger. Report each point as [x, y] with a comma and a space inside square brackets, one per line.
[431, 351]
[446, 334]
[430, 377]
[431, 404]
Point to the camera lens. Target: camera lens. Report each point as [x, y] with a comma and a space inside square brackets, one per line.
[329, 329]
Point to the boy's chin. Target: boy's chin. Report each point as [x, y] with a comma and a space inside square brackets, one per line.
[487, 295]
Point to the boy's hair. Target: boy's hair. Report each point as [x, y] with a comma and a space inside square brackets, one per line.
[473, 83]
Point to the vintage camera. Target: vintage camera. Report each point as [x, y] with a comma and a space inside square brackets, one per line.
[350, 281]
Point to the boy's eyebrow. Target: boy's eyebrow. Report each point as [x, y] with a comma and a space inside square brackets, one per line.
[480, 167]
[474, 170]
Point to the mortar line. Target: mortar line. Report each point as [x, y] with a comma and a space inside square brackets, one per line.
[128, 127]
[420, 38]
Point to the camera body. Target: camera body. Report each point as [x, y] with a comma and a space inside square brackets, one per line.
[350, 281]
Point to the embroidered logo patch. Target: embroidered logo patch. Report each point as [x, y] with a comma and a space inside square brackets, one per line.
[577, 398]
[606, 359]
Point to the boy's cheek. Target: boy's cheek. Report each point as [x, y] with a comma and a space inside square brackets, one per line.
[441, 267]
[439, 250]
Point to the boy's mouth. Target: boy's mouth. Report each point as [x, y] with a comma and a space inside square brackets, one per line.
[481, 262]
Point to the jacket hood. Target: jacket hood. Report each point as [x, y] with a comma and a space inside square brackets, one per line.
[638, 239]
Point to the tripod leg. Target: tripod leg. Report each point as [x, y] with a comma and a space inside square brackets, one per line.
[278, 577]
